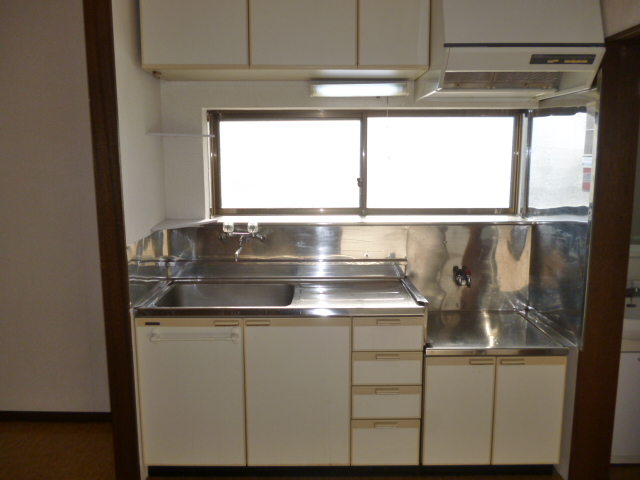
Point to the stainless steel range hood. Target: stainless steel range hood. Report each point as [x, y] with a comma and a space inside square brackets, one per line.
[512, 48]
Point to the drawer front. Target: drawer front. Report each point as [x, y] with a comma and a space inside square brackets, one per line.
[385, 442]
[388, 333]
[386, 402]
[387, 368]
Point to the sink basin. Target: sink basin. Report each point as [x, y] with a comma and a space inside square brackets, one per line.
[226, 295]
[631, 335]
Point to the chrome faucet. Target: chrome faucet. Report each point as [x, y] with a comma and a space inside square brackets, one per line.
[252, 232]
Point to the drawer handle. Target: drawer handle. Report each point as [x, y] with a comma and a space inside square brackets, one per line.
[382, 321]
[226, 323]
[387, 391]
[481, 361]
[387, 356]
[385, 424]
[258, 323]
[512, 361]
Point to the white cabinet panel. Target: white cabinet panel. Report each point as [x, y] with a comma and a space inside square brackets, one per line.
[388, 333]
[529, 401]
[303, 32]
[387, 368]
[393, 33]
[626, 428]
[386, 402]
[298, 391]
[197, 32]
[191, 394]
[458, 410]
[385, 442]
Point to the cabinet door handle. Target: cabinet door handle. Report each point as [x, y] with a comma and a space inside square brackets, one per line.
[387, 356]
[226, 323]
[157, 337]
[258, 323]
[387, 391]
[385, 424]
[481, 361]
[512, 361]
[385, 321]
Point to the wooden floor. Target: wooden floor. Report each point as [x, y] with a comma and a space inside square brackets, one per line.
[84, 451]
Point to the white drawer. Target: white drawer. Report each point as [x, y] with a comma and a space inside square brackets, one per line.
[387, 368]
[385, 442]
[388, 333]
[386, 402]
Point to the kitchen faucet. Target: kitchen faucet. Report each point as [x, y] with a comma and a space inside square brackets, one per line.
[252, 232]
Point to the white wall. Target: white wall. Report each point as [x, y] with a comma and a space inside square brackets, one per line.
[52, 349]
[141, 156]
[618, 15]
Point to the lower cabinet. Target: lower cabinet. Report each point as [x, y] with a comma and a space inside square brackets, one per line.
[458, 410]
[493, 410]
[385, 442]
[298, 384]
[190, 382]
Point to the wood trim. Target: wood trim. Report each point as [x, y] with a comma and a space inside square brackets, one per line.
[84, 417]
[115, 281]
[610, 235]
[629, 35]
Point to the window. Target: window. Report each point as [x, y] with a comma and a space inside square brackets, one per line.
[363, 162]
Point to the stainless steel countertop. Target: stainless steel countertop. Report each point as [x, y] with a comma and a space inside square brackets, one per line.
[487, 333]
[353, 297]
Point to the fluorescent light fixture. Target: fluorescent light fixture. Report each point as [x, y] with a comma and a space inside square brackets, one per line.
[361, 89]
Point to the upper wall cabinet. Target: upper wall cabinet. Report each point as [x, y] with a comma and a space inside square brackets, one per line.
[285, 39]
[303, 33]
[197, 33]
[393, 33]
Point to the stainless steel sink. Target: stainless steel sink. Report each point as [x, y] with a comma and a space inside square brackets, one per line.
[225, 295]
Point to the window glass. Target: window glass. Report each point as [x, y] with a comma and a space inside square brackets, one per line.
[289, 163]
[439, 162]
[560, 168]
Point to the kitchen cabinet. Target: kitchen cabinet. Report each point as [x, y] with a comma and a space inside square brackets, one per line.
[190, 385]
[199, 33]
[303, 33]
[387, 390]
[458, 410]
[393, 34]
[471, 419]
[529, 402]
[626, 427]
[298, 391]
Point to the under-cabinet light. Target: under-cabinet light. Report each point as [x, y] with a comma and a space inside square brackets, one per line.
[362, 89]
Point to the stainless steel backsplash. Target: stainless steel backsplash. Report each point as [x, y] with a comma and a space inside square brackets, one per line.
[512, 265]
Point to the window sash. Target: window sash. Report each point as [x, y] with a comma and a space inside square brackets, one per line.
[214, 117]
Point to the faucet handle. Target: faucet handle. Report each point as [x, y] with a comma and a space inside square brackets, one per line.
[252, 227]
[227, 227]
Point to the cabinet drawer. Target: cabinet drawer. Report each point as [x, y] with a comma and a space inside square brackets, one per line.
[387, 368]
[385, 442]
[388, 333]
[386, 402]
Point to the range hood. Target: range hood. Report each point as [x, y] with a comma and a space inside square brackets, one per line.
[512, 48]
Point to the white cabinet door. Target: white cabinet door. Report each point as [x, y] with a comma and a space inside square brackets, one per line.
[190, 381]
[458, 406]
[529, 403]
[626, 428]
[393, 33]
[303, 32]
[298, 389]
[194, 33]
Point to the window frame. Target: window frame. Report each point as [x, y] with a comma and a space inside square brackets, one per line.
[215, 116]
